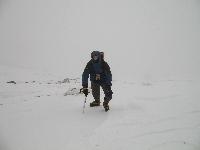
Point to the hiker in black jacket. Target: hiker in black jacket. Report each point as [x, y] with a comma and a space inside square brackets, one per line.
[100, 75]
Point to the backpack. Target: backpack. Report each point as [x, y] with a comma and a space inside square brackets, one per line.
[102, 55]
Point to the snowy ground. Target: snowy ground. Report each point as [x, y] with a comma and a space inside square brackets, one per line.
[40, 112]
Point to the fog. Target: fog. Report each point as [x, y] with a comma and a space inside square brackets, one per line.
[146, 39]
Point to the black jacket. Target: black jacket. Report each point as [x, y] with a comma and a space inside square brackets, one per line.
[97, 67]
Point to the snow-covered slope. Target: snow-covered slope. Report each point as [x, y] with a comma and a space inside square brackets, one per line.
[152, 48]
[159, 115]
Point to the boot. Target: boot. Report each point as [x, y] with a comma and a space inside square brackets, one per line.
[95, 103]
[106, 106]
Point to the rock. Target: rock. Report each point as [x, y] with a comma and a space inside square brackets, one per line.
[67, 80]
[13, 82]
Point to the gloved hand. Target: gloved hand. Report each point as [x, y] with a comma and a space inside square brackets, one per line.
[85, 91]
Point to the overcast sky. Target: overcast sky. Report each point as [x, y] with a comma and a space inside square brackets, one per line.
[140, 38]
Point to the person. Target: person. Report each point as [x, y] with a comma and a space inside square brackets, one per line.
[100, 76]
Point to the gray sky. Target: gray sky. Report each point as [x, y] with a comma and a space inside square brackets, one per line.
[140, 38]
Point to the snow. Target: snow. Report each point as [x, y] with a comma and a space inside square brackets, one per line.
[156, 115]
[152, 48]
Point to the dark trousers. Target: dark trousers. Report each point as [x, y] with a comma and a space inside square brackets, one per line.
[96, 91]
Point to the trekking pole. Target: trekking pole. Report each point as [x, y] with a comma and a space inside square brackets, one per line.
[81, 90]
[84, 105]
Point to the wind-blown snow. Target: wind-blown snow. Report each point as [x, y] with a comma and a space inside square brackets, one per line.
[155, 39]
[158, 115]
[152, 47]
